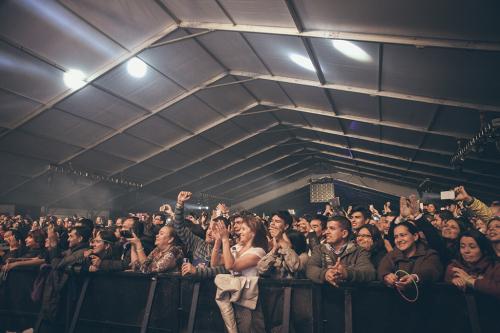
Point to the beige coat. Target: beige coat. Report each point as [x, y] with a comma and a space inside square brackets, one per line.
[241, 290]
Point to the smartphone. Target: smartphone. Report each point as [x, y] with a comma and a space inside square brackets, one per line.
[126, 234]
[448, 195]
[335, 203]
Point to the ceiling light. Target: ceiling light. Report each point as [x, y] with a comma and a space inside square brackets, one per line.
[136, 67]
[351, 50]
[74, 79]
[302, 61]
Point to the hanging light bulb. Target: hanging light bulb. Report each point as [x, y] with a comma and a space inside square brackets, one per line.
[74, 79]
[136, 67]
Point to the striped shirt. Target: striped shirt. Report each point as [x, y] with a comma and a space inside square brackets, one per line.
[200, 249]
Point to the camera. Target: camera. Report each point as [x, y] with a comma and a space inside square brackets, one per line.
[126, 233]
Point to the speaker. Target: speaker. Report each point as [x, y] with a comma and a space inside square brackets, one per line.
[321, 192]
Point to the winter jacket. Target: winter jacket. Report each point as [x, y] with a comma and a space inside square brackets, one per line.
[279, 264]
[355, 259]
[486, 272]
[57, 278]
[425, 263]
[478, 209]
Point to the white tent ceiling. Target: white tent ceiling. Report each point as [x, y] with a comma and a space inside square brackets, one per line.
[225, 110]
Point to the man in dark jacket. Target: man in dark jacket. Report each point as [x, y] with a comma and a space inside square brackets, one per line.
[339, 259]
[78, 243]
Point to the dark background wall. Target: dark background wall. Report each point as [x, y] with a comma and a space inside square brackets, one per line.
[349, 195]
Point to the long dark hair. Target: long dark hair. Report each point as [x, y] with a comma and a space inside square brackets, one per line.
[378, 241]
[481, 240]
[257, 227]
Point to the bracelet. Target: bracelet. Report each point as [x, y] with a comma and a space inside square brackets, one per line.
[139, 249]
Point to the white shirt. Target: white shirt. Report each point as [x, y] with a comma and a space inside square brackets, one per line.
[258, 251]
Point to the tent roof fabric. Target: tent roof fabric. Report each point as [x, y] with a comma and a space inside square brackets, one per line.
[241, 96]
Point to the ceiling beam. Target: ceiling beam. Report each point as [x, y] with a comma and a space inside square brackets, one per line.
[417, 180]
[100, 72]
[268, 196]
[404, 170]
[272, 161]
[386, 142]
[406, 181]
[273, 172]
[395, 157]
[294, 15]
[367, 91]
[238, 160]
[124, 128]
[170, 146]
[273, 184]
[354, 36]
[362, 119]
[294, 173]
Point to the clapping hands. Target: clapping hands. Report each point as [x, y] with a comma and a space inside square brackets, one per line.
[336, 274]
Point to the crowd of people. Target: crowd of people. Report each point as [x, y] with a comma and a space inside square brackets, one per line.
[456, 241]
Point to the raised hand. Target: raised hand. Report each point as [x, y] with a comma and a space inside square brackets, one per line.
[461, 194]
[184, 196]
[222, 208]
[135, 241]
[414, 205]
[222, 230]
[404, 207]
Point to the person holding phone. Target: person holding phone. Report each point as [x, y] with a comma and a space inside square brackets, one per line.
[166, 257]
[102, 249]
[130, 226]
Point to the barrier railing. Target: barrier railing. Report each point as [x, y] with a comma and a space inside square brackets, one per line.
[133, 302]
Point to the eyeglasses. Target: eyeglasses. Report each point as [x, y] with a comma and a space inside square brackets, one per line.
[363, 236]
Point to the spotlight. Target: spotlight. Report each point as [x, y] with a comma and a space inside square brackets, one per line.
[74, 79]
[351, 50]
[302, 61]
[136, 67]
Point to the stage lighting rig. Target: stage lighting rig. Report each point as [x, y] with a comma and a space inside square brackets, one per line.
[488, 134]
